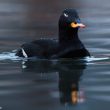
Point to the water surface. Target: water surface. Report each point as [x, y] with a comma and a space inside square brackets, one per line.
[65, 84]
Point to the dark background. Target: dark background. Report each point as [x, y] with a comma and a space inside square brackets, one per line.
[26, 20]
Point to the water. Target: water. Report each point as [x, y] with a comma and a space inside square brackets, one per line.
[65, 84]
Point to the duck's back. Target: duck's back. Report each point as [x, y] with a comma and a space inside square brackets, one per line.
[43, 48]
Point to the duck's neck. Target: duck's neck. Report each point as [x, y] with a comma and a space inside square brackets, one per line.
[68, 35]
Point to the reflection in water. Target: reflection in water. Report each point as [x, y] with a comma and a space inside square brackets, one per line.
[69, 77]
[69, 72]
[24, 20]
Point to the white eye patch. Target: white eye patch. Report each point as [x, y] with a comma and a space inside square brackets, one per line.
[65, 15]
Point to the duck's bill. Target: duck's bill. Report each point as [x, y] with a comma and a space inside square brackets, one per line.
[76, 25]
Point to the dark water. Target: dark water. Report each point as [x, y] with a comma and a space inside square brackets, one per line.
[66, 84]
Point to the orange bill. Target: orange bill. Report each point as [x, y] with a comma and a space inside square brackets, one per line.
[75, 25]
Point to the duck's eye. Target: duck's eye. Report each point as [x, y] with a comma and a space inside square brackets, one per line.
[65, 15]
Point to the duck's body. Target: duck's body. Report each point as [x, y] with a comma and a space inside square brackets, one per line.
[67, 46]
[51, 49]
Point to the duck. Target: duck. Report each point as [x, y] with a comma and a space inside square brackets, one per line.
[68, 44]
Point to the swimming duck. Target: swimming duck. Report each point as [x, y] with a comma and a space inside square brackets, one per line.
[68, 44]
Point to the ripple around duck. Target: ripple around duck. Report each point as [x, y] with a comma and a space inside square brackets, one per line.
[9, 56]
[90, 60]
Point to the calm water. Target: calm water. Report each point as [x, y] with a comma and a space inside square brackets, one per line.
[66, 84]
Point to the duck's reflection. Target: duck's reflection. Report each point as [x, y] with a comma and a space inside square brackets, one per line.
[69, 77]
[70, 73]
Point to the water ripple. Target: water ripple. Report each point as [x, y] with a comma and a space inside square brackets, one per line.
[9, 56]
[89, 60]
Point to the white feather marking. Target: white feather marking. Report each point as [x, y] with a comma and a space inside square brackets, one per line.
[65, 15]
[24, 53]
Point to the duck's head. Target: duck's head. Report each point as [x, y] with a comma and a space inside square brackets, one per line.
[69, 23]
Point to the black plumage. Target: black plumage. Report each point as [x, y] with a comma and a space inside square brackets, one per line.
[68, 44]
